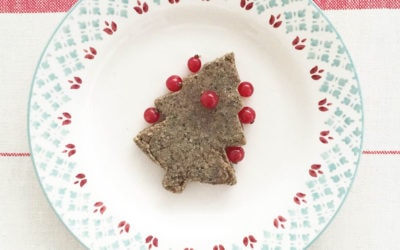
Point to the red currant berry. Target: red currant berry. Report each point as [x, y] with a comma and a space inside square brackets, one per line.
[209, 99]
[194, 63]
[245, 89]
[247, 115]
[235, 154]
[174, 83]
[151, 115]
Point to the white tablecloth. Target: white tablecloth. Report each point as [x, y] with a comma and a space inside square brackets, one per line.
[368, 218]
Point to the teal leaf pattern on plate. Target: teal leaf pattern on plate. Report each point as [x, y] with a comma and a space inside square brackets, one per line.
[61, 76]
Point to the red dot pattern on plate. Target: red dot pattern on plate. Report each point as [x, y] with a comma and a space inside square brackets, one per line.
[315, 170]
[323, 105]
[123, 227]
[75, 83]
[151, 241]
[141, 8]
[299, 43]
[80, 179]
[99, 207]
[249, 241]
[299, 198]
[219, 247]
[246, 4]
[275, 21]
[279, 222]
[65, 118]
[90, 53]
[325, 136]
[70, 149]
[316, 72]
[110, 27]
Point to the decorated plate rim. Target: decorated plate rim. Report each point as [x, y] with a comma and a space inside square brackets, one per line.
[310, 2]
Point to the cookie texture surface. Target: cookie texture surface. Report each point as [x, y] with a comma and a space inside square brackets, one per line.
[189, 141]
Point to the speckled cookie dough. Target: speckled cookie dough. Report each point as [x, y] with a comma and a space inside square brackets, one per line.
[189, 140]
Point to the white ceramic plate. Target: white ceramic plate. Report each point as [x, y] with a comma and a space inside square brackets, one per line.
[108, 61]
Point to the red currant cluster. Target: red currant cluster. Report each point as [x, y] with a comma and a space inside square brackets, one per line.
[174, 83]
[209, 99]
[246, 115]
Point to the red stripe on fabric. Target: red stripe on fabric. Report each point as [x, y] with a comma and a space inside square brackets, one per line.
[381, 152]
[14, 154]
[35, 6]
[42, 6]
[357, 4]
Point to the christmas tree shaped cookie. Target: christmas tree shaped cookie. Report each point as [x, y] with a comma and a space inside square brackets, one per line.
[197, 129]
